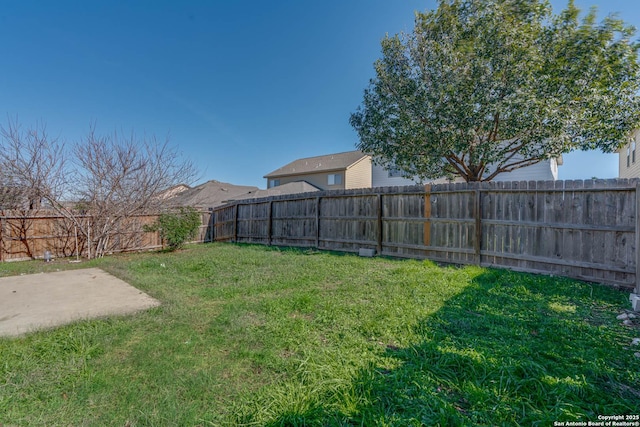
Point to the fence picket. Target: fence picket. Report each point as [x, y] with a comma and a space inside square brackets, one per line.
[573, 228]
[584, 229]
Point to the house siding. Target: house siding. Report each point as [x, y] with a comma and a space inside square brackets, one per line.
[319, 180]
[633, 170]
[358, 175]
[544, 171]
[363, 173]
[380, 178]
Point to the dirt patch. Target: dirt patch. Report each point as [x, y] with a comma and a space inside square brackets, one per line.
[45, 300]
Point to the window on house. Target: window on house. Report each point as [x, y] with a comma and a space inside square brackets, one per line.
[274, 183]
[628, 156]
[633, 151]
[334, 179]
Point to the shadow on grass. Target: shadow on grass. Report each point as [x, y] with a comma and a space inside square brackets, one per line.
[512, 349]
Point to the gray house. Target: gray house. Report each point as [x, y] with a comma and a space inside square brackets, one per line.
[355, 169]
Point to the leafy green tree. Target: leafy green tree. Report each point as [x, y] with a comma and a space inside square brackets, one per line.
[482, 87]
[176, 228]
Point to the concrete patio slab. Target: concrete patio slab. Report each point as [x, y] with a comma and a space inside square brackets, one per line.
[39, 301]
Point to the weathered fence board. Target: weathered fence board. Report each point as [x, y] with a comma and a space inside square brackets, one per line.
[582, 229]
[28, 234]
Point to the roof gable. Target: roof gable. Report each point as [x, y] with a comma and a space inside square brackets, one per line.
[329, 162]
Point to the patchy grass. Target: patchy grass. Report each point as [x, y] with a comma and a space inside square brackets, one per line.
[251, 335]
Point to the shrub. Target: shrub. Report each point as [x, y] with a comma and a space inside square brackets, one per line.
[177, 227]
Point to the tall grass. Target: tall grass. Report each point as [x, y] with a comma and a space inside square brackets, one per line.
[251, 335]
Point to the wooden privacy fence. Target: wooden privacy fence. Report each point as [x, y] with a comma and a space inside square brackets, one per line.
[28, 234]
[581, 229]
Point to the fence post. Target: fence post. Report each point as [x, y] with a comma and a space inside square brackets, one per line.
[478, 217]
[379, 234]
[318, 222]
[635, 296]
[235, 223]
[210, 234]
[427, 216]
[269, 222]
[1, 239]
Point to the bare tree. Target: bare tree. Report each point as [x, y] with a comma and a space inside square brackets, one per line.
[19, 226]
[119, 178]
[32, 166]
[31, 173]
[99, 185]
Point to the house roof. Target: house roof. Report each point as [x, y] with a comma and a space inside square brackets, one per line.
[280, 190]
[329, 162]
[210, 194]
[18, 197]
[173, 191]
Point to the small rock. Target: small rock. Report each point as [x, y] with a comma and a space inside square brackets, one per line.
[637, 354]
[635, 341]
[627, 322]
[631, 315]
[623, 316]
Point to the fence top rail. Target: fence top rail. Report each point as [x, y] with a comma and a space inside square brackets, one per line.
[455, 187]
[50, 214]
[53, 216]
[550, 190]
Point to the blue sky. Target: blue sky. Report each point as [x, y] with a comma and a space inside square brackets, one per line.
[240, 87]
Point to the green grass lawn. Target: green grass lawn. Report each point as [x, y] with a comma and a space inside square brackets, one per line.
[252, 335]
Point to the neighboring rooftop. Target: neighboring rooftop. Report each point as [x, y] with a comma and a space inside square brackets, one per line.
[280, 190]
[329, 162]
[173, 191]
[209, 194]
